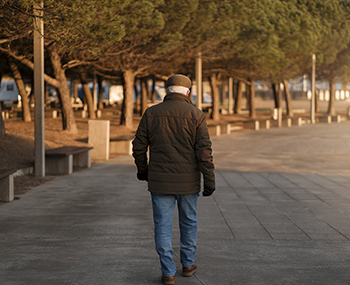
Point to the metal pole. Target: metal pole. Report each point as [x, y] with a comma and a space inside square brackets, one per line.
[94, 92]
[199, 81]
[39, 90]
[313, 79]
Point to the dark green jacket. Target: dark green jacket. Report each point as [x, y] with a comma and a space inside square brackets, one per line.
[179, 144]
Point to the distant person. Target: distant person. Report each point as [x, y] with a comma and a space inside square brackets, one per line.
[180, 150]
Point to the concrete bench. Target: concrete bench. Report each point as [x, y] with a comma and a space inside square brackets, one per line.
[214, 129]
[64, 159]
[233, 127]
[337, 119]
[297, 121]
[219, 129]
[257, 124]
[7, 185]
[324, 119]
[121, 144]
[252, 125]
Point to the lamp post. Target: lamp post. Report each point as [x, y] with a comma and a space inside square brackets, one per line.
[313, 91]
[199, 80]
[39, 90]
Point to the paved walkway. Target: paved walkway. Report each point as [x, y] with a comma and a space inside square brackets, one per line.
[280, 215]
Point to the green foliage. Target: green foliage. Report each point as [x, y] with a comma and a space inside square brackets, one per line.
[259, 39]
[84, 24]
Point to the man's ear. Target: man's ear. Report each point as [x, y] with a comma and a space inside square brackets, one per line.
[188, 92]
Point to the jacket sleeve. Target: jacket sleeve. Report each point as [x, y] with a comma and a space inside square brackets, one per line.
[140, 146]
[204, 154]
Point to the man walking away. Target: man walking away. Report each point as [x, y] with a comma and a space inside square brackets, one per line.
[180, 150]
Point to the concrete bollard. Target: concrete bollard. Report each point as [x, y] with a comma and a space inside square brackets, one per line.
[99, 139]
[7, 188]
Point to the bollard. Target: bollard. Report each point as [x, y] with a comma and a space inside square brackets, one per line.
[99, 139]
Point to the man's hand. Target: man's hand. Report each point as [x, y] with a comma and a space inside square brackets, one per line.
[207, 192]
[142, 176]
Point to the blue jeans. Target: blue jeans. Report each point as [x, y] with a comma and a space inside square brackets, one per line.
[163, 208]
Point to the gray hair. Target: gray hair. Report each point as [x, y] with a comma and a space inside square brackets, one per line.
[177, 89]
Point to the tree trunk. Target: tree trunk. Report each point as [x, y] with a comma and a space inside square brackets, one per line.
[21, 89]
[215, 115]
[317, 107]
[238, 98]
[137, 99]
[123, 111]
[64, 119]
[88, 95]
[143, 95]
[248, 95]
[252, 111]
[76, 93]
[127, 117]
[331, 103]
[31, 94]
[274, 91]
[279, 96]
[153, 92]
[100, 92]
[2, 124]
[63, 89]
[288, 99]
[46, 94]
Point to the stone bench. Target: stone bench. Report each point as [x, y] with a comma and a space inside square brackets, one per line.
[7, 185]
[257, 124]
[297, 121]
[251, 124]
[233, 127]
[214, 129]
[64, 159]
[121, 144]
[219, 129]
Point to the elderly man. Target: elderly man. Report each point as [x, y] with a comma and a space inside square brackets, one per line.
[180, 150]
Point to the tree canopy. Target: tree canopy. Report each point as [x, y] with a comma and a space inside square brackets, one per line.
[249, 39]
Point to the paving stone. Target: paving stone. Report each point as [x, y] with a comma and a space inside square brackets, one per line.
[280, 215]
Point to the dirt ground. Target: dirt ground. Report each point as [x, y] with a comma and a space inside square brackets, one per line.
[17, 145]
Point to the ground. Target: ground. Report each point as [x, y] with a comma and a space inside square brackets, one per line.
[17, 145]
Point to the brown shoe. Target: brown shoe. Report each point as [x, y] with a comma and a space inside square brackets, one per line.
[168, 280]
[189, 271]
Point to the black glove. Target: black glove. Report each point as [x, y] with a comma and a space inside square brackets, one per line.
[207, 192]
[142, 176]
